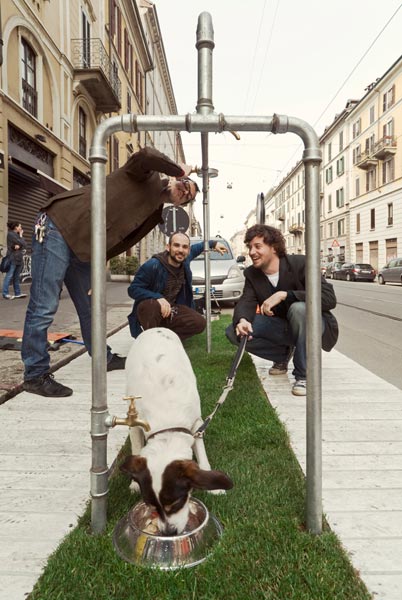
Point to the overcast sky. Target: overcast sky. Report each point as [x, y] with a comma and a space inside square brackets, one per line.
[288, 57]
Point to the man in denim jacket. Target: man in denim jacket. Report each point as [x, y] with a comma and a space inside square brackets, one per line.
[162, 289]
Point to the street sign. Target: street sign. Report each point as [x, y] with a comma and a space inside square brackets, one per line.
[175, 219]
[335, 244]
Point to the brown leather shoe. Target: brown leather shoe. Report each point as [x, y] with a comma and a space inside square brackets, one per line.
[279, 369]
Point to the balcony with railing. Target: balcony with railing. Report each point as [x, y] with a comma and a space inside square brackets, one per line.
[385, 147]
[366, 160]
[94, 70]
[296, 229]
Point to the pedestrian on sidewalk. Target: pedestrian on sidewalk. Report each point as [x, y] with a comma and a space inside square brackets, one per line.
[162, 289]
[275, 284]
[15, 249]
[135, 195]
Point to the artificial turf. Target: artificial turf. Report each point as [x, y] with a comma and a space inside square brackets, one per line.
[265, 552]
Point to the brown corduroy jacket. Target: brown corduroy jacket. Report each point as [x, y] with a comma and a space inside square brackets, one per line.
[135, 195]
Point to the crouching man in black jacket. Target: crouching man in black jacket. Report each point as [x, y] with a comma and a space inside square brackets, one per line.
[272, 309]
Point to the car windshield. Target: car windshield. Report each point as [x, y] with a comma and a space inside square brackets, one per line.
[213, 255]
[363, 266]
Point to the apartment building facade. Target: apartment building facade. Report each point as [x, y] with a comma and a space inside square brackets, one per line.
[361, 181]
[375, 129]
[66, 67]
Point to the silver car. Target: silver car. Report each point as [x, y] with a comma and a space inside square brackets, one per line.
[392, 272]
[227, 279]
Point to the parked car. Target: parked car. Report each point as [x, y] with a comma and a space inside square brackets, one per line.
[227, 278]
[356, 271]
[392, 272]
[332, 269]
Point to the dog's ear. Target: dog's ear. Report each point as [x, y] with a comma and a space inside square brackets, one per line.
[137, 468]
[206, 480]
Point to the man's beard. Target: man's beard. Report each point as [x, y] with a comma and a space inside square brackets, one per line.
[177, 262]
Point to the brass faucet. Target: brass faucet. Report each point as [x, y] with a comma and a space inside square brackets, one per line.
[132, 419]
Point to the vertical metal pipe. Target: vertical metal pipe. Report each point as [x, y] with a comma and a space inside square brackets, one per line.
[205, 209]
[312, 160]
[99, 483]
[314, 333]
[99, 467]
[205, 45]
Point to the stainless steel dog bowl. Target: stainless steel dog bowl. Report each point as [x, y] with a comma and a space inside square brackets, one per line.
[139, 547]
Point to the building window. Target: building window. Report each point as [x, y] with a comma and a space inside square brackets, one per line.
[356, 154]
[390, 214]
[388, 170]
[330, 230]
[86, 41]
[388, 130]
[369, 147]
[330, 151]
[115, 153]
[340, 166]
[358, 223]
[29, 93]
[341, 227]
[329, 202]
[356, 129]
[340, 201]
[119, 36]
[138, 83]
[372, 114]
[372, 218]
[388, 99]
[129, 102]
[82, 133]
[341, 141]
[359, 252]
[328, 175]
[357, 186]
[371, 179]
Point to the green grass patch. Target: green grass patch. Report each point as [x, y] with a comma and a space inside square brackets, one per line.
[264, 554]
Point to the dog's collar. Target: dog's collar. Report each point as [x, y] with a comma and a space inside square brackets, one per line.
[176, 429]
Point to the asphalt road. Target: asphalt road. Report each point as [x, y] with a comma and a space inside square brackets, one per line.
[370, 321]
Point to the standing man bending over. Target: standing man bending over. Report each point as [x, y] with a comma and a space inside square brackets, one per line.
[276, 283]
[135, 195]
[162, 289]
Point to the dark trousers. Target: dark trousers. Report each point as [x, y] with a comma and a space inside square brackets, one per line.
[183, 320]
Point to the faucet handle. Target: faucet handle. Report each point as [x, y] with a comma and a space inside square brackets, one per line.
[132, 399]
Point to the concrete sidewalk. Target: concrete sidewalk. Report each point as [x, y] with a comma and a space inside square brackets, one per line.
[362, 463]
[45, 450]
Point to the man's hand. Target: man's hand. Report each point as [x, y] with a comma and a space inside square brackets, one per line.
[165, 307]
[221, 248]
[244, 327]
[271, 302]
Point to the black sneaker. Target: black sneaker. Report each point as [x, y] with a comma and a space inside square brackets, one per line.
[46, 385]
[116, 363]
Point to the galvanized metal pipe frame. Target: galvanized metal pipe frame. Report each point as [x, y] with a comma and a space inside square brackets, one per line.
[204, 122]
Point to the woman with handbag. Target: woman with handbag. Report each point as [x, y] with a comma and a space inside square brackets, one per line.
[15, 247]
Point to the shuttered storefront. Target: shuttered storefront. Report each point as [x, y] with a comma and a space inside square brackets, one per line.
[25, 198]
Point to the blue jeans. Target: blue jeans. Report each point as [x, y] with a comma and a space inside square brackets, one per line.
[52, 264]
[274, 337]
[13, 277]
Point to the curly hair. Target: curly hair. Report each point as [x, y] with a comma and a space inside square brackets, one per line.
[272, 237]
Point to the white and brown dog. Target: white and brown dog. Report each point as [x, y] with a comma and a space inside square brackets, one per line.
[159, 371]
